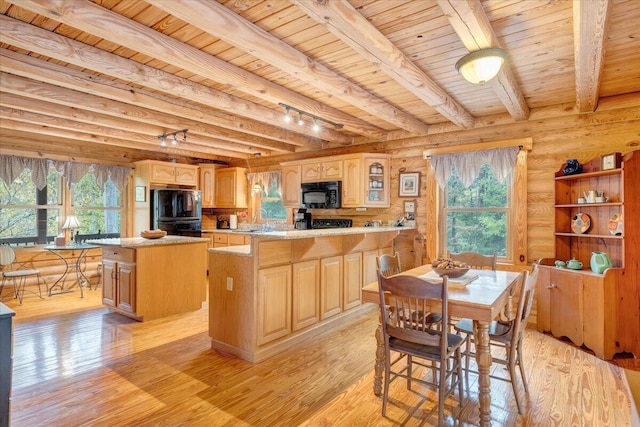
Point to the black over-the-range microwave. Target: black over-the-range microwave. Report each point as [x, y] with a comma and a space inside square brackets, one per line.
[322, 195]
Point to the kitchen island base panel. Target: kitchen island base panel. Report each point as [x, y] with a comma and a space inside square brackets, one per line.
[151, 279]
[295, 339]
[286, 288]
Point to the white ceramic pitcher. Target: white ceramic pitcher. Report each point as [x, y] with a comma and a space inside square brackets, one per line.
[590, 196]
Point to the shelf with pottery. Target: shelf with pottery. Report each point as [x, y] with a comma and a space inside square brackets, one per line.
[588, 293]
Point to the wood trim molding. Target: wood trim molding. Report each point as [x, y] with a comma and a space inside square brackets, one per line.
[525, 143]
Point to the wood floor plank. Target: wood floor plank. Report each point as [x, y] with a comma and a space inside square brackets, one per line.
[77, 364]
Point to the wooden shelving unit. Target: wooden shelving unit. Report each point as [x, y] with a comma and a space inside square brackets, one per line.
[599, 311]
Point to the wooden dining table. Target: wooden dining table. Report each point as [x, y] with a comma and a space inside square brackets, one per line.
[482, 300]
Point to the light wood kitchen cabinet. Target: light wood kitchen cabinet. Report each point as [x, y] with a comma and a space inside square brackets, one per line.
[366, 178]
[207, 185]
[331, 274]
[366, 181]
[329, 170]
[352, 194]
[119, 279]
[291, 181]
[306, 294]
[141, 281]
[229, 239]
[274, 303]
[209, 237]
[231, 188]
[376, 180]
[169, 173]
[282, 291]
[562, 313]
[352, 284]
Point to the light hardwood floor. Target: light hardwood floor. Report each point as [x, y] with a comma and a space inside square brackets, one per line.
[77, 364]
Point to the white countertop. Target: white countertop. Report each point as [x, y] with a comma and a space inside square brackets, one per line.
[301, 234]
[136, 242]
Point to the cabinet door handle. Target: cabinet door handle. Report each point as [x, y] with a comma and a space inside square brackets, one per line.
[552, 286]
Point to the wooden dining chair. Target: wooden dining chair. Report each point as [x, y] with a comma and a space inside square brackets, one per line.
[413, 337]
[388, 265]
[18, 276]
[507, 335]
[476, 260]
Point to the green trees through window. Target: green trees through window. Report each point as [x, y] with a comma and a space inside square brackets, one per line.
[97, 211]
[32, 216]
[29, 215]
[477, 218]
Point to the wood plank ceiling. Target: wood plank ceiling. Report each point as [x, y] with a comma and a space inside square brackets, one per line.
[103, 78]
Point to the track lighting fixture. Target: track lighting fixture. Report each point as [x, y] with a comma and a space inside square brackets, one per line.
[316, 120]
[174, 139]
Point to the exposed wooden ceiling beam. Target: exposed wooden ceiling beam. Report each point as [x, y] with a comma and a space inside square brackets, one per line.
[346, 23]
[194, 143]
[590, 22]
[88, 138]
[96, 20]
[19, 143]
[217, 20]
[78, 114]
[472, 25]
[55, 46]
[137, 106]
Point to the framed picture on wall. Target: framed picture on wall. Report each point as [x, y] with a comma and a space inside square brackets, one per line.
[141, 193]
[410, 206]
[409, 185]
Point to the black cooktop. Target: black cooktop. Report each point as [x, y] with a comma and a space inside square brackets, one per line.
[331, 223]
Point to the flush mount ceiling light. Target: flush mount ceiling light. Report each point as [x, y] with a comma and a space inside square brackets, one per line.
[300, 121]
[482, 65]
[174, 139]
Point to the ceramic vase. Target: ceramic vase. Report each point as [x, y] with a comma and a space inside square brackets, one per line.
[599, 262]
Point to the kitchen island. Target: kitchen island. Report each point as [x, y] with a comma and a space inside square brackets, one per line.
[147, 279]
[285, 287]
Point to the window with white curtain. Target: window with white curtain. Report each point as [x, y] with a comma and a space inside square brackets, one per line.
[477, 207]
[32, 198]
[28, 214]
[266, 196]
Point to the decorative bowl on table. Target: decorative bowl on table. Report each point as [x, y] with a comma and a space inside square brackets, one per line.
[153, 234]
[451, 272]
[449, 267]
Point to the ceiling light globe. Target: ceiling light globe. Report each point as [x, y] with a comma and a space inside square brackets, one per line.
[482, 65]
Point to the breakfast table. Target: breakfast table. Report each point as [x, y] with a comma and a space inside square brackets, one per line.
[78, 253]
[483, 299]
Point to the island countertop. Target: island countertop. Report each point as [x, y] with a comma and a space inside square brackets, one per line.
[318, 232]
[246, 250]
[136, 242]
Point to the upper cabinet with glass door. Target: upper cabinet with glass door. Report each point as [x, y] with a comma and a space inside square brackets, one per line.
[376, 179]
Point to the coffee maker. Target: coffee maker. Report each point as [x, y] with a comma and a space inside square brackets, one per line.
[302, 220]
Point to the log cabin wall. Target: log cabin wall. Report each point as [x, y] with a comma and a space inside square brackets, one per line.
[52, 268]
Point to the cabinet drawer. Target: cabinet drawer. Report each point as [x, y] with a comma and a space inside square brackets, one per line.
[119, 254]
[220, 238]
[236, 239]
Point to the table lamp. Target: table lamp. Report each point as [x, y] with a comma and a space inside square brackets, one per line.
[71, 224]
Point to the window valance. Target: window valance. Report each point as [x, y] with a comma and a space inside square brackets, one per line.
[12, 166]
[501, 161]
[266, 180]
